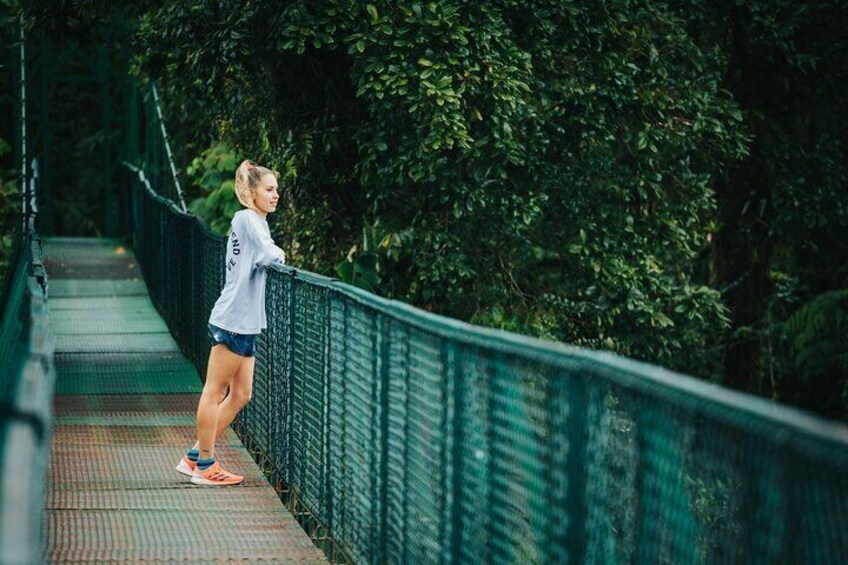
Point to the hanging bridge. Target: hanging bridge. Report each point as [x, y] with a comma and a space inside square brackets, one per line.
[377, 433]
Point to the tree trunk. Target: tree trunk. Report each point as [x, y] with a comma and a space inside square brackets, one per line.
[741, 254]
[742, 248]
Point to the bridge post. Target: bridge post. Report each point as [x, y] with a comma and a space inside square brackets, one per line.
[451, 528]
[571, 391]
[45, 55]
[382, 339]
[110, 215]
[18, 61]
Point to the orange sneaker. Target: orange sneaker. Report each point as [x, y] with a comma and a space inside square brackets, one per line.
[186, 466]
[215, 476]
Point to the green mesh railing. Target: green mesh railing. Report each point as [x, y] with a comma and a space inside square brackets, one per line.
[26, 392]
[26, 366]
[412, 438]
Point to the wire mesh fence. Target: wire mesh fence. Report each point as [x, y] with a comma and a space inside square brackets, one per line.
[413, 438]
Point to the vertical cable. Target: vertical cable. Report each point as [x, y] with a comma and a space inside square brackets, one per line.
[23, 118]
[167, 146]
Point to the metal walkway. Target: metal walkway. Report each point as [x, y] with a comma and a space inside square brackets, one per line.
[124, 413]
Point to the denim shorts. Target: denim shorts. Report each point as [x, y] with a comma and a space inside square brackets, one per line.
[244, 345]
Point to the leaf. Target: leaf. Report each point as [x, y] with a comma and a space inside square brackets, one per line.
[367, 261]
[363, 273]
[345, 271]
[373, 11]
[662, 320]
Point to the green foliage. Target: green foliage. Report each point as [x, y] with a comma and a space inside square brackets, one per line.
[817, 339]
[381, 263]
[549, 163]
[556, 168]
[818, 333]
[10, 209]
[10, 196]
[783, 208]
[213, 175]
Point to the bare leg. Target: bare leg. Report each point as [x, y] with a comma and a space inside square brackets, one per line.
[241, 389]
[222, 368]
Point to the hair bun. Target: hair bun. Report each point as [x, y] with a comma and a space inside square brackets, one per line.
[248, 176]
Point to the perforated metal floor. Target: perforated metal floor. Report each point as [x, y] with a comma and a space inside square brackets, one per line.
[124, 414]
[77, 288]
[84, 258]
[124, 372]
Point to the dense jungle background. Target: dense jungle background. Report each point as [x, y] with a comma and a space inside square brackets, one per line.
[666, 181]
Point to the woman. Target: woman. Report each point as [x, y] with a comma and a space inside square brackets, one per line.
[235, 321]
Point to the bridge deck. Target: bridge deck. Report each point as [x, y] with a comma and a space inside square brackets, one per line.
[124, 413]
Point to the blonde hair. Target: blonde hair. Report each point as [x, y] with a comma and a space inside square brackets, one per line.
[248, 176]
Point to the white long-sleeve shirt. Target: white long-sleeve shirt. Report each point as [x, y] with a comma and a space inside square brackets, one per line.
[241, 306]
